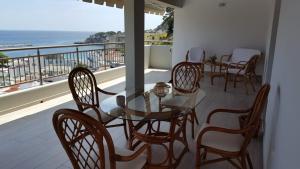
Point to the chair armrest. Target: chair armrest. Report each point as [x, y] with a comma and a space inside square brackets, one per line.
[232, 111]
[222, 130]
[239, 65]
[145, 147]
[105, 92]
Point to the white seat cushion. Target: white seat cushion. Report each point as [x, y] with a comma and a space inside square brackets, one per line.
[196, 55]
[220, 140]
[137, 163]
[242, 54]
[235, 71]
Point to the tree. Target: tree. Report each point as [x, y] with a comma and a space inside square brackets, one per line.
[3, 59]
[169, 20]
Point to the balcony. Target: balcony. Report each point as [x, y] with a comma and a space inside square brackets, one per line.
[30, 141]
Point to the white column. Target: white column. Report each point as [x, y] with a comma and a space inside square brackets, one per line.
[134, 44]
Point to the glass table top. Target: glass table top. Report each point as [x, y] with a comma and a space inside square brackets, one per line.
[148, 105]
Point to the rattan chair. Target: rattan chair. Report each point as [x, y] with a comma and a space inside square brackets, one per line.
[89, 145]
[85, 92]
[242, 71]
[228, 143]
[238, 65]
[196, 55]
[185, 80]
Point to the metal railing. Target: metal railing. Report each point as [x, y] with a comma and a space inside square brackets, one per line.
[50, 63]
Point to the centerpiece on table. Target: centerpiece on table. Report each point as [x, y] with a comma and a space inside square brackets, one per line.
[161, 89]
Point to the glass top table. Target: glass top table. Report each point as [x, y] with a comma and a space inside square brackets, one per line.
[147, 105]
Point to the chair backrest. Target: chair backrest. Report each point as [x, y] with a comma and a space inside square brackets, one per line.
[258, 105]
[253, 118]
[242, 54]
[196, 55]
[86, 141]
[251, 64]
[83, 86]
[185, 77]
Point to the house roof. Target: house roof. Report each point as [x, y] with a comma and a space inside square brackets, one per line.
[151, 6]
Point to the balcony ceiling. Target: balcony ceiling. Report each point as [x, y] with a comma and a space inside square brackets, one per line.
[151, 6]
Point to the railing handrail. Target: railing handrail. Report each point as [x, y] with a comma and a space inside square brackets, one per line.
[56, 46]
[165, 41]
[72, 45]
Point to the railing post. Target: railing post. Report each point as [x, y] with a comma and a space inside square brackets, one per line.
[104, 56]
[40, 66]
[77, 54]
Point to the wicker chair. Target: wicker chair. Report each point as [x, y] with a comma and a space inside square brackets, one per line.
[244, 71]
[85, 92]
[88, 144]
[196, 55]
[185, 80]
[231, 143]
[237, 63]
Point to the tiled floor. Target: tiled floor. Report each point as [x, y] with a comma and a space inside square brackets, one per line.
[30, 142]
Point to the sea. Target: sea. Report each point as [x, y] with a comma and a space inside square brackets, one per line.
[9, 39]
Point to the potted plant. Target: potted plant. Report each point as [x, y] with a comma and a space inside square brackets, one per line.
[212, 59]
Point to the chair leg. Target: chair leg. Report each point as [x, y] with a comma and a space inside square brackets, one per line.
[198, 158]
[246, 84]
[195, 116]
[251, 83]
[243, 162]
[193, 125]
[204, 154]
[125, 129]
[235, 80]
[226, 82]
[249, 161]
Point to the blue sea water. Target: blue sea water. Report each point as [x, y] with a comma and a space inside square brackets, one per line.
[39, 38]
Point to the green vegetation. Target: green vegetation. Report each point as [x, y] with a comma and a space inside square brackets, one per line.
[169, 20]
[155, 36]
[3, 59]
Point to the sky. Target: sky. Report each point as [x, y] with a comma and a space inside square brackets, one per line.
[64, 15]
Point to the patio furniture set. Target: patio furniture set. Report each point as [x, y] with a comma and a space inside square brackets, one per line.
[142, 114]
[237, 67]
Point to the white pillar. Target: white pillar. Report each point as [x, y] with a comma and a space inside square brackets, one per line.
[134, 44]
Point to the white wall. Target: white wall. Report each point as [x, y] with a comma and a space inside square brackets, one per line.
[282, 136]
[161, 57]
[147, 53]
[242, 23]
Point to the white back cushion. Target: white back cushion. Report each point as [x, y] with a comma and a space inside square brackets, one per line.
[242, 54]
[196, 55]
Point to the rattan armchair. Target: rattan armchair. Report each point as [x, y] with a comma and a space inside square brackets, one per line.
[88, 144]
[241, 64]
[230, 143]
[185, 80]
[196, 55]
[242, 71]
[85, 92]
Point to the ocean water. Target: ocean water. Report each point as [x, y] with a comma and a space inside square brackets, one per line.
[39, 38]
